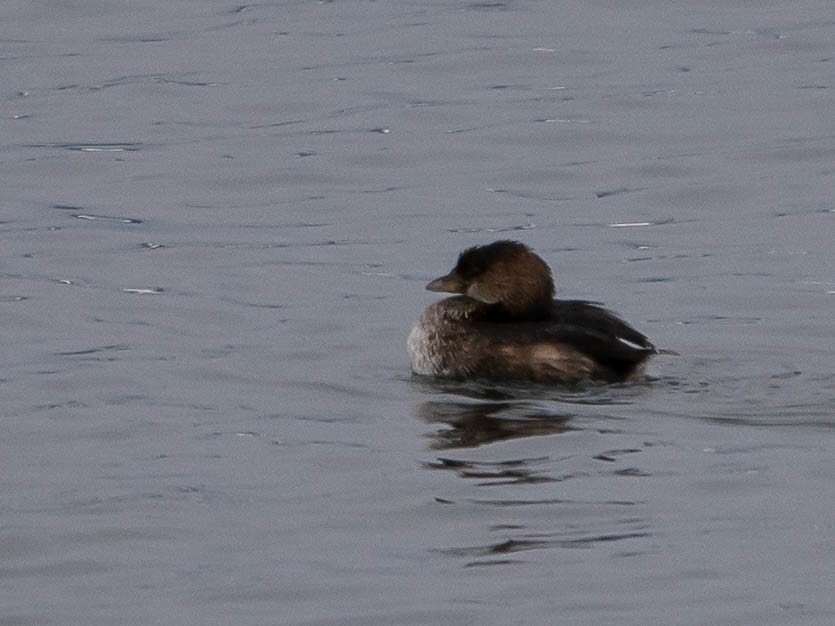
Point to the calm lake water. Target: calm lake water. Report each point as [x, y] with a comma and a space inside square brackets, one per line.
[217, 222]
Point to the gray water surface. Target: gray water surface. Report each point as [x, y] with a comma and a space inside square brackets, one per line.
[216, 225]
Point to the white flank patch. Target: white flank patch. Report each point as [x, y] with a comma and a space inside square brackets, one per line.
[418, 346]
[631, 344]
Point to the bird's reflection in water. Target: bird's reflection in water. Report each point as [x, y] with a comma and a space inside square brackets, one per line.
[473, 424]
[468, 415]
[513, 472]
[591, 394]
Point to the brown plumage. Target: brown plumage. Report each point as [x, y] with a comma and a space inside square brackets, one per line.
[506, 325]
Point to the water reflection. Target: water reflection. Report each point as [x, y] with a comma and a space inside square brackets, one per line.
[590, 393]
[512, 472]
[523, 498]
[509, 546]
[473, 424]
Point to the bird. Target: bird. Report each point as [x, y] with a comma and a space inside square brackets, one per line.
[504, 324]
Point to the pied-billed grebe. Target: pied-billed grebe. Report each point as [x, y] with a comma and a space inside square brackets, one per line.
[506, 326]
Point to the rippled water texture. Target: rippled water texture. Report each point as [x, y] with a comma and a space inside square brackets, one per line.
[216, 225]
